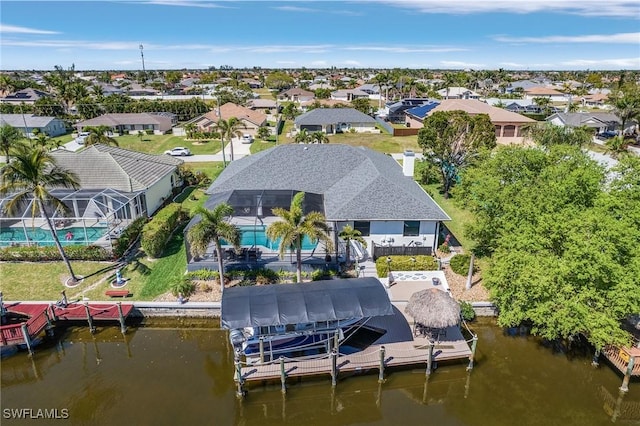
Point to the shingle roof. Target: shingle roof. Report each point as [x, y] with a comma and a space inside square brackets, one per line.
[357, 183]
[323, 116]
[18, 120]
[126, 118]
[101, 166]
[577, 119]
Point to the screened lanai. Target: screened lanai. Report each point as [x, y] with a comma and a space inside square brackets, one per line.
[89, 217]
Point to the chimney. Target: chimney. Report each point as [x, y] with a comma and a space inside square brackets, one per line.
[408, 160]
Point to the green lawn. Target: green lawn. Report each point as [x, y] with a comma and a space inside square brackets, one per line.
[158, 144]
[459, 217]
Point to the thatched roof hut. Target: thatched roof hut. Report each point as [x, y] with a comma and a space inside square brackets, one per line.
[433, 308]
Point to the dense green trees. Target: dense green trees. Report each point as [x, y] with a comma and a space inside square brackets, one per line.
[564, 238]
[451, 140]
[9, 137]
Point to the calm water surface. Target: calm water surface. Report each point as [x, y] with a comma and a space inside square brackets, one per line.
[183, 376]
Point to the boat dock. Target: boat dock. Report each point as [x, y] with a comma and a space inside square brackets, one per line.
[44, 316]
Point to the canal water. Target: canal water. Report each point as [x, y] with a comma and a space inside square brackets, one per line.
[181, 374]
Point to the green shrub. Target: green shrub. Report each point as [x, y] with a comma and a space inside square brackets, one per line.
[50, 253]
[444, 247]
[128, 236]
[156, 233]
[404, 263]
[322, 274]
[203, 274]
[184, 286]
[466, 311]
[427, 173]
[460, 264]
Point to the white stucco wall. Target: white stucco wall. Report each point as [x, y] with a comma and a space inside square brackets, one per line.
[385, 230]
[156, 194]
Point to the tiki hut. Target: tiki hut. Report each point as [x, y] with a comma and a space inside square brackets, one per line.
[433, 308]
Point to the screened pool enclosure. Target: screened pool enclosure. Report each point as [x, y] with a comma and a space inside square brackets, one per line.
[90, 217]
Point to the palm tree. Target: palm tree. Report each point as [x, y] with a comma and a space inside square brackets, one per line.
[190, 129]
[319, 137]
[98, 135]
[303, 136]
[294, 226]
[228, 129]
[32, 174]
[349, 234]
[212, 227]
[9, 136]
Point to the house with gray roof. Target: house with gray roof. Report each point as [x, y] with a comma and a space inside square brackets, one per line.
[26, 96]
[335, 120]
[147, 180]
[599, 121]
[350, 185]
[27, 123]
[132, 123]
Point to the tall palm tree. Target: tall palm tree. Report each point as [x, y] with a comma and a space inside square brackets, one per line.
[294, 226]
[349, 234]
[303, 136]
[319, 137]
[9, 136]
[212, 227]
[31, 175]
[98, 135]
[228, 129]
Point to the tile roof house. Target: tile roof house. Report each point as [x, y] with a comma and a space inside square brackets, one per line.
[251, 119]
[131, 123]
[335, 120]
[545, 92]
[151, 178]
[26, 123]
[296, 95]
[26, 96]
[458, 93]
[509, 125]
[350, 185]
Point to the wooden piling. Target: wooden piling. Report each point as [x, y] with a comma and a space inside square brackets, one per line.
[430, 359]
[239, 390]
[381, 371]
[474, 343]
[92, 329]
[283, 376]
[627, 375]
[49, 327]
[595, 360]
[334, 368]
[64, 300]
[123, 327]
[27, 338]
[262, 350]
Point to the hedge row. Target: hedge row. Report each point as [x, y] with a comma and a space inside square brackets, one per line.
[50, 253]
[460, 264]
[156, 232]
[128, 236]
[404, 263]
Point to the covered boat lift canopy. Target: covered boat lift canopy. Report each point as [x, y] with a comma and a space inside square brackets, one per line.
[282, 304]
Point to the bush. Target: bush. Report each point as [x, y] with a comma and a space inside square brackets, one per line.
[444, 247]
[203, 274]
[50, 253]
[427, 173]
[322, 274]
[404, 263]
[460, 264]
[261, 276]
[156, 233]
[184, 286]
[466, 311]
[128, 236]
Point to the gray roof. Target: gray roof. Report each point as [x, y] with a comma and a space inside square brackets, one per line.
[357, 183]
[18, 120]
[324, 116]
[101, 166]
[577, 119]
[126, 118]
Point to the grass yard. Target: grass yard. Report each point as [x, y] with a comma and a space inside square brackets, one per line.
[459, 216]
[158, 144]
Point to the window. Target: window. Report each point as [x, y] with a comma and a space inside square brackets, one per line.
[411, 228]
[363, 227]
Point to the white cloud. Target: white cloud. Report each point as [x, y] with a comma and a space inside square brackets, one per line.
[621, 38]
[460, 64]
[621, 63]
[185, 3]
[398, 49]
[512, 65]
[23, 30]
[297, 9]
[623, 8]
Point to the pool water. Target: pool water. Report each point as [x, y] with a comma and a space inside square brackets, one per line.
[256, 236]
[42, 236]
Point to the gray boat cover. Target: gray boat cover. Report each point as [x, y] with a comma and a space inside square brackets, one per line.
[282, 304]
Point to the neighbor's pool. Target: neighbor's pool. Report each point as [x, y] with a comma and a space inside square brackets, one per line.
[43, 237]
[256, 236]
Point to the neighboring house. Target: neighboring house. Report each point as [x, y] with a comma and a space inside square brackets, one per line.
[348, 95]
[596, 100]
[26, 123]
[545, 92]
[524, 85]
[520, 106]
[251, 120]
[373, 90]
[458, 93]
[509, 125]
[131, 123]
[296, 95]
[25, 96]
[335, 120]
[253, 83]
[143, 181]
[415, 116]
[109, 89]
[599, 121]
[267, 106]
[395, 111]
[349, 185]
[322, 85]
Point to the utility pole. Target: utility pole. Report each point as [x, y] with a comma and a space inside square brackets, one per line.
[144, 72]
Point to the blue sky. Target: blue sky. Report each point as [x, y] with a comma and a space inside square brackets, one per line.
[434, 34]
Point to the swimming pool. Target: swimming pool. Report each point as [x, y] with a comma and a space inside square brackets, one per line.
[256, 236]
[43, 237]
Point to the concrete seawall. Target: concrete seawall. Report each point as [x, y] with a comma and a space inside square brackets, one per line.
[485, 309]
[175, 309]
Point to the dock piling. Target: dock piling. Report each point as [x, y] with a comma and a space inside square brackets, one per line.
[430, 359]
[261, 350]
[238, 365]
[474, 343]
[64, 300]
[627, 375]
[334, 368]
[283, 376]
[92, 329]
[596, 357]
[381, 372]
[123, 327]
[27, 338]
[49, 327]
